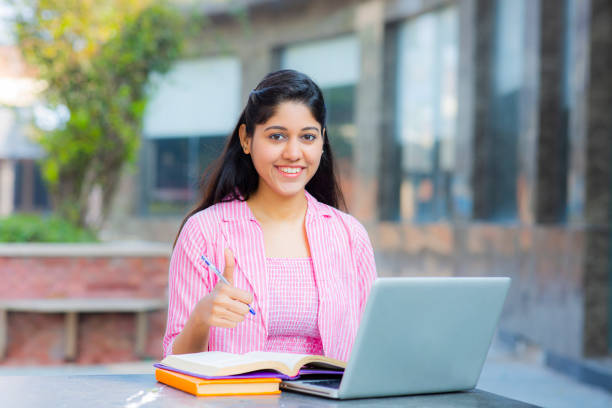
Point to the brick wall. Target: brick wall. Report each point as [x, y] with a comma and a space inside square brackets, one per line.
[81, 271]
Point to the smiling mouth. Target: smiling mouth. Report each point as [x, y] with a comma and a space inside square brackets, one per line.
[290, 171]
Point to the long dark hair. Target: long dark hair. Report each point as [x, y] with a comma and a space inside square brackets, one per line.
[233, 176]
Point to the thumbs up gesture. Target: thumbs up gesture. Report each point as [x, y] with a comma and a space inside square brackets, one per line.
[230, 265]
[225, 305]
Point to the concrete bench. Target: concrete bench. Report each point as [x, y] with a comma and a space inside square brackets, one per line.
[72, 307]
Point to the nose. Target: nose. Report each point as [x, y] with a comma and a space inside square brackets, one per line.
[292, 150]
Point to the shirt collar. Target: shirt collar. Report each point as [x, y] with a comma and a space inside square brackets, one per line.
[317, 208]
[239, 210]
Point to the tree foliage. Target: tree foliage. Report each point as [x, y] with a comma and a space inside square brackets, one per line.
[96, 56]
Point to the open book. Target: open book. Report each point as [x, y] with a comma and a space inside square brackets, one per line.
[220, 364]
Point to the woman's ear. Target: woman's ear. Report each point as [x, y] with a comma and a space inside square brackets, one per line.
[244, 140]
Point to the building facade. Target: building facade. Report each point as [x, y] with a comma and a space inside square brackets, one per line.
[474, 138]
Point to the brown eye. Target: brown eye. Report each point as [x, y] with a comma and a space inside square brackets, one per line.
[276, 136]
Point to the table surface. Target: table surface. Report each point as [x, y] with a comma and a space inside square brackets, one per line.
[143, 391]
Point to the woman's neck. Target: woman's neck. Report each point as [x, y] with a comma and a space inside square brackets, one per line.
[268, 206]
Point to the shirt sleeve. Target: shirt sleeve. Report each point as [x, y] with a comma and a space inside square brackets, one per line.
[366, 264]
[188, 279]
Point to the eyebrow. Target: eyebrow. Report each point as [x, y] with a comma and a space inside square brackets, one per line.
[284, 128]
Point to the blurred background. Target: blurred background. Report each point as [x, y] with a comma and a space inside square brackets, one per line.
[473, 138]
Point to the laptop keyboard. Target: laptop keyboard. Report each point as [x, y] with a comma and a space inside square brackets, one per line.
[335, 383]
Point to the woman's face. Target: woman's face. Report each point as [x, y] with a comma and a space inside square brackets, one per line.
[286, 150]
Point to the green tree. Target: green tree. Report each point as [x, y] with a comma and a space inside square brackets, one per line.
[96, 56]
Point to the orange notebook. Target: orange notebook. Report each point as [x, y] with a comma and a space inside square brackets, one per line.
[201, 387]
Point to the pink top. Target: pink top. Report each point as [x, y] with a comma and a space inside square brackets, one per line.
[343, 265]
[294, 307]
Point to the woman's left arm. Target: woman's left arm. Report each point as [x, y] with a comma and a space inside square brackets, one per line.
[363, 254]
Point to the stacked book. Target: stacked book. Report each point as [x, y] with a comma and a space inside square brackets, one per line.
[255, 373]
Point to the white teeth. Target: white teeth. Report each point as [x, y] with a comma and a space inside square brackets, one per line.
[292, 170]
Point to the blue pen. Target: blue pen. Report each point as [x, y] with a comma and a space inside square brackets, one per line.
[220, 275]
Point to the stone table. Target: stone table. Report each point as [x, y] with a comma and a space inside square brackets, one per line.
[143, 391]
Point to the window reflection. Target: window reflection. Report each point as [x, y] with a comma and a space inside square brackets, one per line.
[504, 123]
[426, 113]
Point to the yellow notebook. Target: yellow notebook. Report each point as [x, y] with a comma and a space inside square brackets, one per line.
[200, 387]
[219, 364]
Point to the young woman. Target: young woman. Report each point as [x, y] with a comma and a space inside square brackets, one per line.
[269, 219]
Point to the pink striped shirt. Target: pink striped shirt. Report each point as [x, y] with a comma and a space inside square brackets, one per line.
[343, 262]
[293, 325]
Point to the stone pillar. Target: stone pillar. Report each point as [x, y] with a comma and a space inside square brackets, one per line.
[255, 63]
[484, 32]
[390, 168]
[527, 146]
[462, 187]
[146, 167]
[598, 180]
[369, 25]
[590, 162]
[7, 186]
[552, 152]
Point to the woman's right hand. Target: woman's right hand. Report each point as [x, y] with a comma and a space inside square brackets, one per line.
[225, 305]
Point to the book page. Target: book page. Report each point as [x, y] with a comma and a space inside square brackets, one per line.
[216, 359]
[295, 361]
[291, 360]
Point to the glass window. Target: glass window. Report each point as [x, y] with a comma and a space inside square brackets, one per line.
[175, 170]
[334, 65]
[197, 97]
[30, 192]
[504, 116]
[426, 111]
[191, 111]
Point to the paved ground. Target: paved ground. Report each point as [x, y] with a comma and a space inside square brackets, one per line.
[518, 375]
[521, 376]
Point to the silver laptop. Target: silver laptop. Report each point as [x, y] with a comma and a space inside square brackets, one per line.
[418, 336]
